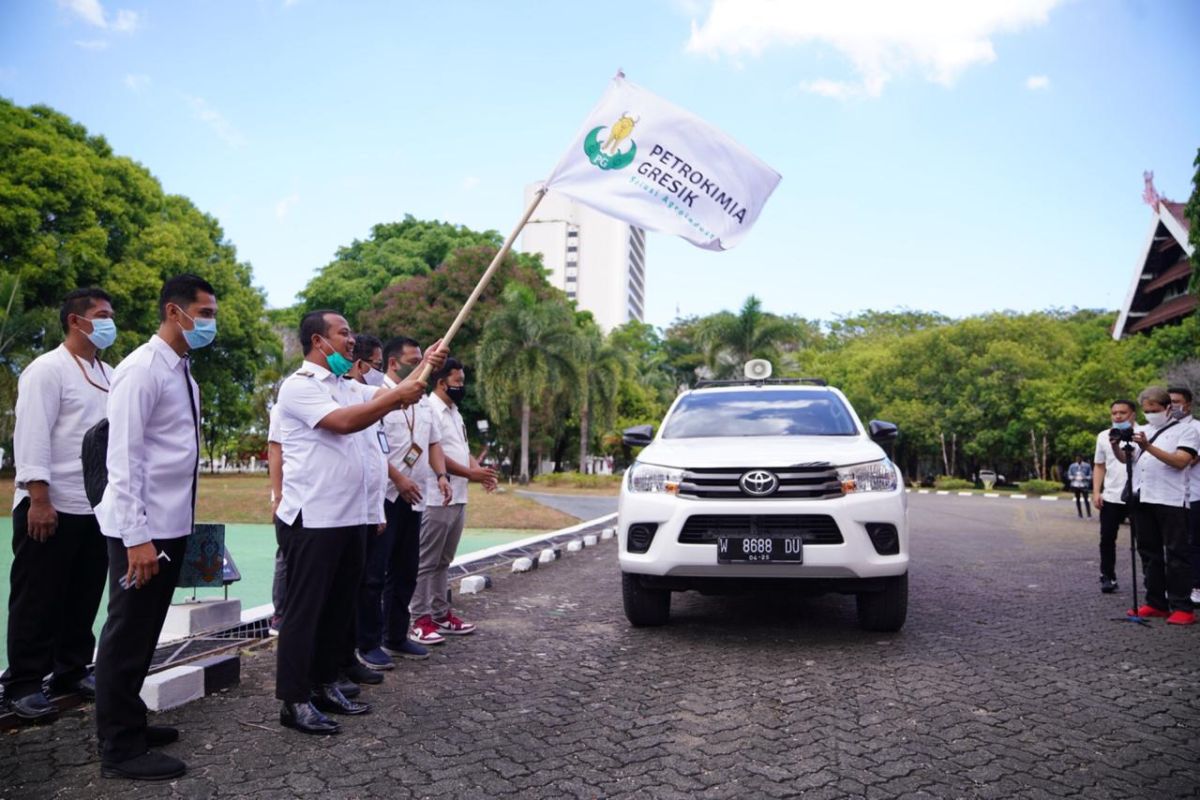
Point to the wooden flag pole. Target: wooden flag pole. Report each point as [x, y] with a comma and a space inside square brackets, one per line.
[486, 278]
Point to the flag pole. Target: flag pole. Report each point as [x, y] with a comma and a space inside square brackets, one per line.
[486, 278]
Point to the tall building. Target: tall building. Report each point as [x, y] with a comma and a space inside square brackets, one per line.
[598, 261]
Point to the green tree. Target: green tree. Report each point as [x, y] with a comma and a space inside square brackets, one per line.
[527, 347]
[392, 253]
[601, 366]
[72, 213]
[730, 340]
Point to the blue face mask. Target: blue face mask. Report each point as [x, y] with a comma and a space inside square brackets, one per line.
[104, 333]
[1123, 426]
[338, 364]
[202, 334]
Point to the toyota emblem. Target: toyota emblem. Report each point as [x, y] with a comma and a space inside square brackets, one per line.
[759, 483]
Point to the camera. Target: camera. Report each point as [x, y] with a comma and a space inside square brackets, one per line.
[1121, 434]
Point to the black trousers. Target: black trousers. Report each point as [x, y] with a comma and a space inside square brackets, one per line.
[1194, 537]
[369, 612]
[1082, 501]
[1163, 530]
[401, 579]
[53, 597]
[127, 643]
[324, 567]
[1111, 517]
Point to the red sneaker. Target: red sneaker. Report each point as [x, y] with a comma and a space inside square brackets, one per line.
[1149, 612]
[425, 631]
[1182, 618]
[454, 626]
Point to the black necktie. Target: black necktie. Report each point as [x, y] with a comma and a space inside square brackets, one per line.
[187, 382]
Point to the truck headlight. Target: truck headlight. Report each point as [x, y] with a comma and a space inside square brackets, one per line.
[874, 476]
[653, 478]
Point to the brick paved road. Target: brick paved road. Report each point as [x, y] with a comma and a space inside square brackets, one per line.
[1009, 681]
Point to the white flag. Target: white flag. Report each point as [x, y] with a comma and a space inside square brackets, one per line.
[650, 163]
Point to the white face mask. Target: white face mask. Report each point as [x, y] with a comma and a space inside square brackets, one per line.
[1157, 418]
[373, 378]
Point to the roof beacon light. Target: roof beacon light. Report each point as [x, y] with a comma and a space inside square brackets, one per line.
[757, 369]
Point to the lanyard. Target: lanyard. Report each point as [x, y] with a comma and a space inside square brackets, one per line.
[86, 377]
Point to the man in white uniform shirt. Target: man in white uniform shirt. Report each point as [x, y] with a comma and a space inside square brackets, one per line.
[321, 518]
[390, 575]
[442, 524]
[1181, 409]
[1108, 482]
[147, 513]
[59, 556]
[1160, 518]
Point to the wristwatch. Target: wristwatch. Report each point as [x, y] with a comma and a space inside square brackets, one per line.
[443, 475]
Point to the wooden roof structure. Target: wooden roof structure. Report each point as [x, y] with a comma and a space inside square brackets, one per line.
[1158, 294]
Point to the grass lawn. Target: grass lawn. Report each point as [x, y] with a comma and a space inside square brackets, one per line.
[246, 498]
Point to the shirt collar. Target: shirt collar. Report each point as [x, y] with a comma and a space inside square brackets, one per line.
[165, 351]
[319, 372]
[388, 383]
[437, 403]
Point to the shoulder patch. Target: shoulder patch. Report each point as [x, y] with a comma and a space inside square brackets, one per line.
[303, 373]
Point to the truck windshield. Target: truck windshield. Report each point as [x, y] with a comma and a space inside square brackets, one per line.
[759, 412]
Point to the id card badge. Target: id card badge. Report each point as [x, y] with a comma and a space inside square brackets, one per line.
[414, 452]
[383, 442]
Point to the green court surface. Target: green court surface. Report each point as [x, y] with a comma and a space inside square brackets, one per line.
[253, 551]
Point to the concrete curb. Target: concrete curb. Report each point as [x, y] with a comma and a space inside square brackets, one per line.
[990, 495]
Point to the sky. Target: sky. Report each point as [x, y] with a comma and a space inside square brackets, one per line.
[959, 157]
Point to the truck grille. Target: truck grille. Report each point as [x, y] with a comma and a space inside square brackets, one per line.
[813, 528]
[803, 481]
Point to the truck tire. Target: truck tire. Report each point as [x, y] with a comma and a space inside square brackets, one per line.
[644, 607]
[886, 610]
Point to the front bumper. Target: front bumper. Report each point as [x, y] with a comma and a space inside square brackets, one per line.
[855, 557]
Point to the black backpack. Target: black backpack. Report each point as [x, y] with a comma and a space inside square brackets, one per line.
[95, 462]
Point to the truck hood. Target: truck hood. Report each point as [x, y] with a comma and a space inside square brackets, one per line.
[760, 451]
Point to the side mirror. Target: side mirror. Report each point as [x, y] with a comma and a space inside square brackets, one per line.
[638, 436]
[882, 432]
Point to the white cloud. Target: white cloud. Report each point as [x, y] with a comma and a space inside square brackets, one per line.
[285, 206]
[92, 12]
[216, 121]
[1037, 82]
[882, 39]
[136, 83]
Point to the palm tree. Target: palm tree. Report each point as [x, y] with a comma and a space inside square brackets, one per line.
[730, 340]
[602, 367]
[527, 346]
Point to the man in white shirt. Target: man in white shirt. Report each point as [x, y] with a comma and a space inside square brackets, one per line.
[59, 557]
[390, 575]
[147, 513]
[1108, 482]
[442, 525]
[1160, 517]
[275, 473]
[1181, 409]
[321, 519]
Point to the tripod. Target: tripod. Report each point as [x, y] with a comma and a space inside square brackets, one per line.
[1131, 510]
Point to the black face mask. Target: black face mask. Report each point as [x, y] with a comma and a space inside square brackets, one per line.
[456, 393]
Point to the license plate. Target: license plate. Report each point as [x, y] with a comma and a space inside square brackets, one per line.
[760, 550]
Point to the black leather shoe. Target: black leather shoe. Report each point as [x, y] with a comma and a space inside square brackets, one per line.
[360, 674]
[304, 717]
[149, 766]
[85, 686]
[156, 736]
[329, 699]
[348, 688]
[34, 708]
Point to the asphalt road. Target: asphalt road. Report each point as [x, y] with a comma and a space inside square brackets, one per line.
[577, 505]
[1009, 681]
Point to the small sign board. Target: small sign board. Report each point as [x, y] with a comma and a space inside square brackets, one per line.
[206, 561]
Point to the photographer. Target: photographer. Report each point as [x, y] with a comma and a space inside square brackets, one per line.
[1108, 482]
[1160, 514]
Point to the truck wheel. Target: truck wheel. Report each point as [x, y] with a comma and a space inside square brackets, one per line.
[886, 610]
[643, 606]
